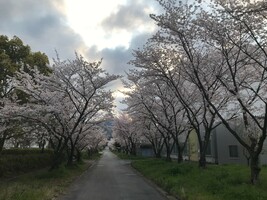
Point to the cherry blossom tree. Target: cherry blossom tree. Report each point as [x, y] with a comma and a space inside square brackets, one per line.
[126, 133]
[165, 64]
[223, 44]
[67, 104]
[92, 141]
[154, 99]
[148, 131]
[139, 101]
[239, 34]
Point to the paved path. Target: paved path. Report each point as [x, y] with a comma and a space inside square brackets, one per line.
[112, 179]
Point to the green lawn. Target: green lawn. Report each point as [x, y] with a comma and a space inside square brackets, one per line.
[41, 184]
[217, 182]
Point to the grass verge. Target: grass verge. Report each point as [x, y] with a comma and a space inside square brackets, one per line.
[217, 182]
[41, 184]
[127, 157]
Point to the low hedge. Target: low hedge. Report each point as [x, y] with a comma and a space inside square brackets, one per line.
[15, 161]
[16, 151]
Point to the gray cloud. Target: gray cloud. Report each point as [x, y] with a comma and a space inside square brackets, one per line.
[39, 24]
[125, 18]
[17, 10]
[139, 40]
[129, 16]
[115, 60]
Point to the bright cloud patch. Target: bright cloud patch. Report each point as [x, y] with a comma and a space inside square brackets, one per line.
[108, 24]
[85, 17]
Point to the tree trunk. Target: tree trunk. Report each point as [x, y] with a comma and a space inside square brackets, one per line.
[70, 156]
[168, 154]
[133, 150]
[168, 149]
[2, 142]
[57, 160]
[126, 150]
[79, 156]
[248, 161]
[158, 154]
[254, 169]
[156, 150]
[58, 153]
[180, 155]
[203, 148]
[89, 153]
[202, 160]
[42, 145]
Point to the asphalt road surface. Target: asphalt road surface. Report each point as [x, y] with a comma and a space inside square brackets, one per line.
[112, 179]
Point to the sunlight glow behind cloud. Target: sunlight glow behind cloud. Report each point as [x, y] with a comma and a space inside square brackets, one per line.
[85, 18]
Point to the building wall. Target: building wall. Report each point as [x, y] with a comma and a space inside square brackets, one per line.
[192, 147]
[224, 139]
[220, 141]
[263, 156]
[145, 150]
[211, 153]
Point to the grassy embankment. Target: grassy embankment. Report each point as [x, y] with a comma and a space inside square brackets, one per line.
[41, 184]
[188, 182]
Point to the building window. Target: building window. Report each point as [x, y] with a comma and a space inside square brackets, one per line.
[233, 151]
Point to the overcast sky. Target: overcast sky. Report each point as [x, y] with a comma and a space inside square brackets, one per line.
[107, 29]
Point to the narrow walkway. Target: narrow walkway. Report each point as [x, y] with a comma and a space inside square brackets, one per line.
[112, 179]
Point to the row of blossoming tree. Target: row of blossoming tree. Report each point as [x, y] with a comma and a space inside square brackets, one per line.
[206, 65]
[14, 55]
[64, 107]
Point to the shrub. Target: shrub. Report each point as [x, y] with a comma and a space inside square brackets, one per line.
[15, 161]
[16, 151]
